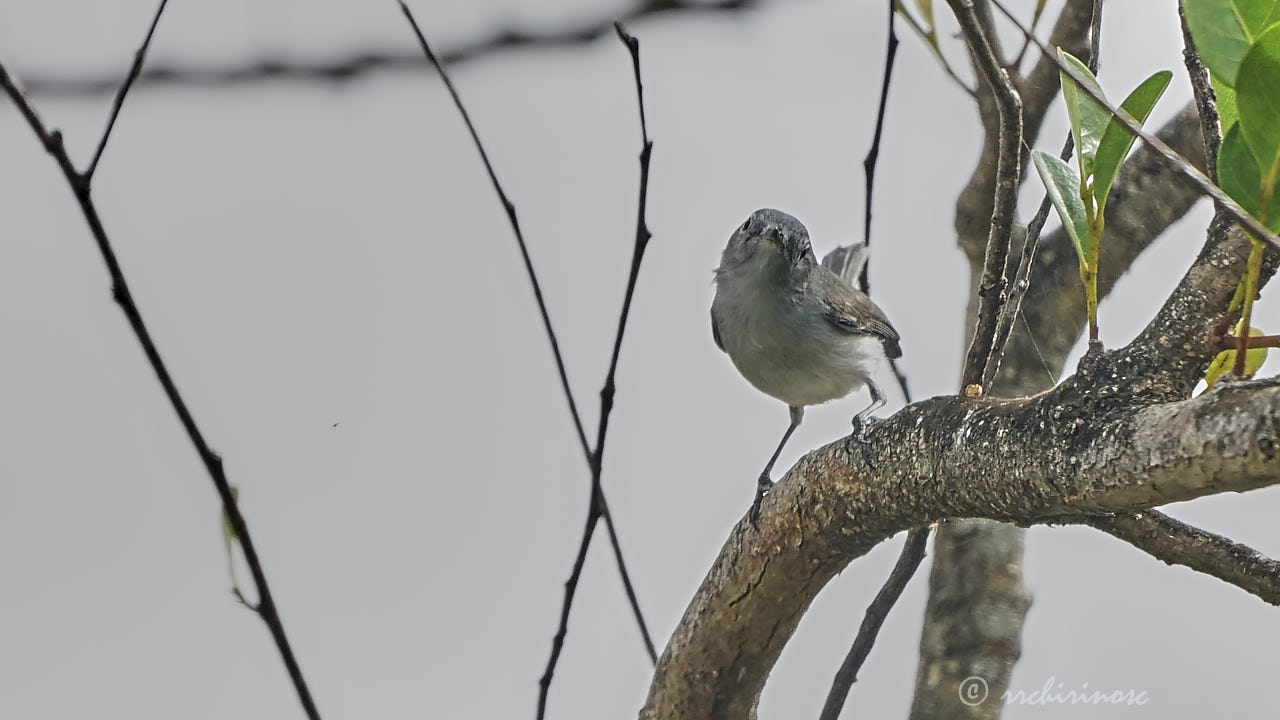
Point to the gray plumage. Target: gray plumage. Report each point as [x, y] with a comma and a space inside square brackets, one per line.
[797, 330]
[792, 327]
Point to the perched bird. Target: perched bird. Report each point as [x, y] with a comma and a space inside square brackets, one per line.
[797, 330]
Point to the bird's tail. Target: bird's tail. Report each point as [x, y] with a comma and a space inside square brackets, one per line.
[846, 261]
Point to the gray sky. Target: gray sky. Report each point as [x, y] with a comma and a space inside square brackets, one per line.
[309, 255]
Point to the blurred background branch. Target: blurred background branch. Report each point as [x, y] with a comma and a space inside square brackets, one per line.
[365, 62]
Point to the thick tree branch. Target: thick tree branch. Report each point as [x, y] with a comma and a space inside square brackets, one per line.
[973, 618]
[1177, 543]
[1087, 447]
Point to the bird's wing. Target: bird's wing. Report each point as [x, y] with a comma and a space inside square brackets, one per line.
[853, 312]
[715, 331]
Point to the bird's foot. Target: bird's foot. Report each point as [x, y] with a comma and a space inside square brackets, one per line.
[860, 436]
[763, 485]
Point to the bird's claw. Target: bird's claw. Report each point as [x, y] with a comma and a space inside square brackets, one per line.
[860, 430]
[860, 436]
[763, 485]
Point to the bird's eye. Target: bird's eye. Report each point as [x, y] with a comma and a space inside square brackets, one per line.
[746, 226]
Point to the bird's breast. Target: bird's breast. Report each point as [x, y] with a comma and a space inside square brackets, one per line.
[789, 351]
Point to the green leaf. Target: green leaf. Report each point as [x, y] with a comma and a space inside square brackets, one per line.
[1257, 15]
[1253, 359]
[1063, 185]
[1258, 99]
[1088, 118]
[1228, 113]
[1238, 174]
[1035, 17]
[1223, 29]
[1117, 139]
[926, 10]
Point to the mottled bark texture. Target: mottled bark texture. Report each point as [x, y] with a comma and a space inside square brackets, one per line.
[977, 601]
[973, 618]
[1118, 437]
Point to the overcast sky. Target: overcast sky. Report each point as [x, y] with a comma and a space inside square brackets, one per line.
[337, 292]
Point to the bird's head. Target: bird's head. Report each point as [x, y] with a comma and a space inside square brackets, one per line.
[769, 239]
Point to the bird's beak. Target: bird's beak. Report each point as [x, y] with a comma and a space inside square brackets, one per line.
[774, 238]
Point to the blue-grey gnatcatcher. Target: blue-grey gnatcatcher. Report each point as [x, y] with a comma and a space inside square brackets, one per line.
[797, 330]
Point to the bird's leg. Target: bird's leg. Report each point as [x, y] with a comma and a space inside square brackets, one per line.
[764, 483]
[860, 420]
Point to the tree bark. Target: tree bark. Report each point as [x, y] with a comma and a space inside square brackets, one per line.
[1090, 447]
[977, 601]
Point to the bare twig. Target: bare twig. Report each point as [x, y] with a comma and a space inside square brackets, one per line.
[1177, 543]
[930, 41]
[1206, 103]
[641, 243]
[873, 155]
[134, 71]
[869, 168]
[358, 64]
[913, 550]
[991, 289]
[1202, 182]
[1022, 279]
[598, 506]
[1232, 342]
[903, 570]
[515, 228]
[80, 186]
[606, 400]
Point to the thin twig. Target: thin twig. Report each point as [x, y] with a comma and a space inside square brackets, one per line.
[991, 288]
[598, 506]
[570, 591]
[1232, 342]
[1206, 102]
[869, 168]
[80, 186]
[515, 227]
[134, 71]
[903, 570]
[607, 391]
[913, 550]
[361, 63]
[873, 155]
[1177, 543]
[1202, 182]
[1022, 280]
[930, 40]
[606, 400]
